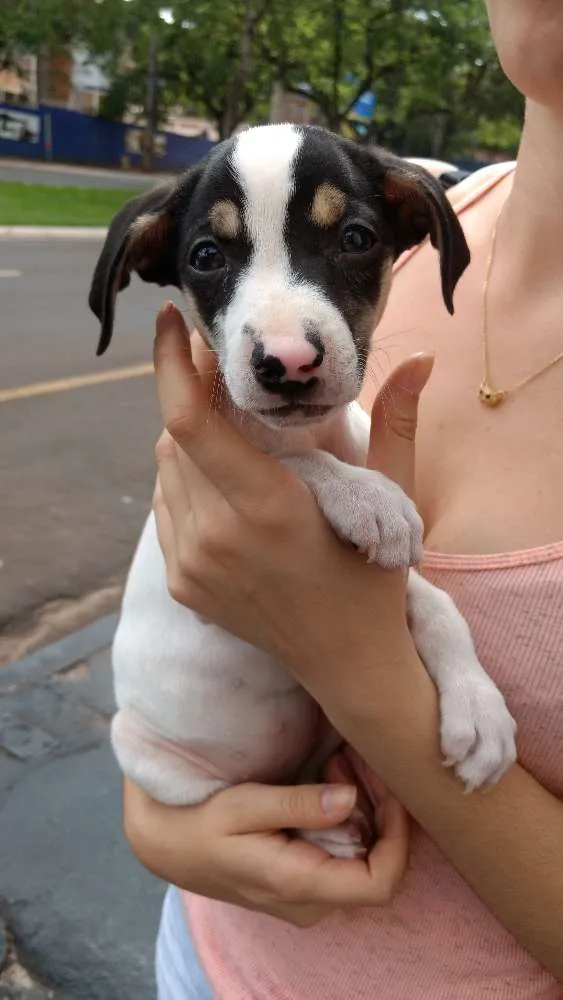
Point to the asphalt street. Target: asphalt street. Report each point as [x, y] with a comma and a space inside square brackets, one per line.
[76, 464]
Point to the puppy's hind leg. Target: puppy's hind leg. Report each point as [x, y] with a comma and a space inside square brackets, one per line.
[165, 770]
[352, 838]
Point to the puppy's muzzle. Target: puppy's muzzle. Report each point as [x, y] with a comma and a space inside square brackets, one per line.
[288, 367]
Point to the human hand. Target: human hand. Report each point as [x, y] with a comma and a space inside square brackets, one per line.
[244, 542]
[231, 848]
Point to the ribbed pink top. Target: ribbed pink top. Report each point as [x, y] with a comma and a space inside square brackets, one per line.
[437, 941]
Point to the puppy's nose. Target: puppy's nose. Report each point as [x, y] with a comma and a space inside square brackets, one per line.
[287, 366]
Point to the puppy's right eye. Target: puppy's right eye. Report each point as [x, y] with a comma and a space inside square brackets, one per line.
[207, 257]
[357, 239]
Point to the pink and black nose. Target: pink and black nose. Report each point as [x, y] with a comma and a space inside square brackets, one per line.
[287, 366]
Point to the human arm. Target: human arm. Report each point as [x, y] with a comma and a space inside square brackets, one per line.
[506, 843]
[246, 547]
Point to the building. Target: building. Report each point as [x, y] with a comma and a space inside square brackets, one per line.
[64, 78]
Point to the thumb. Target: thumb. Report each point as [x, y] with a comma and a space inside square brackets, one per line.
[262, 808]
[394, 418]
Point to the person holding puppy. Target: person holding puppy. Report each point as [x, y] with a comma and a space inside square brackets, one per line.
[466, 899]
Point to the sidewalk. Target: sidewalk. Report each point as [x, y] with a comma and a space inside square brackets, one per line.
[30, 172]
[80, 912]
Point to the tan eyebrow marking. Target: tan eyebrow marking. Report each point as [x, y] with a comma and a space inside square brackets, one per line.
[225, 219]
[329, 205]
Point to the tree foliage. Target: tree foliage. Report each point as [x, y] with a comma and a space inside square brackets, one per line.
[433, 67]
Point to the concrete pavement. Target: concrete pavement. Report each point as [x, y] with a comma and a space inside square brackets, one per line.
[58, 174]
[78, 912]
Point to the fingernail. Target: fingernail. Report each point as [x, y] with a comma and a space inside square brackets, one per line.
[166, 314]
[337, 798]
[418, 371]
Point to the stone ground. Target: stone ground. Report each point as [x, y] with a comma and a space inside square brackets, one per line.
[78, 915]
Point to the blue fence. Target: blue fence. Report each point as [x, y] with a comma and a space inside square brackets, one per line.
[50, 133]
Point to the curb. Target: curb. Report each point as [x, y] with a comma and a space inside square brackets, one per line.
[54, 232]
[49, 660]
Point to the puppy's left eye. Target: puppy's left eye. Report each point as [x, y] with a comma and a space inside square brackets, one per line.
[357, 239]
[207, 257]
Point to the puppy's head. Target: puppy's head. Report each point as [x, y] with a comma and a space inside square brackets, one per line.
[282, 241]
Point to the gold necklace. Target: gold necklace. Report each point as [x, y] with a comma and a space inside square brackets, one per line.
[489, 395]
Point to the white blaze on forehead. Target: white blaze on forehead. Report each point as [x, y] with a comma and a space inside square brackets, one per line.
[268, 299]
[263, 160]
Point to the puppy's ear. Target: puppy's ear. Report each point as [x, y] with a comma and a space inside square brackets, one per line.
[143, 237]
[417, 207]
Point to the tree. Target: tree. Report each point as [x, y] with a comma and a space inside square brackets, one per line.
[339, 48]
[453, 88]
[37, 27]
[433, 67]
[206, 58]
[440, 90]
[216, 60]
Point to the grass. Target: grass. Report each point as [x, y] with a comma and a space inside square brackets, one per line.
[38, 205]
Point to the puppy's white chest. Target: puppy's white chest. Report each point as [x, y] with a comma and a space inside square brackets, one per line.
[224, 702]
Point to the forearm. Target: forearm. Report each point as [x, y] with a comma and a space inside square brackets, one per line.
[506, 843]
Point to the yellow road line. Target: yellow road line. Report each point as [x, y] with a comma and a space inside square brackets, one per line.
[74, 382]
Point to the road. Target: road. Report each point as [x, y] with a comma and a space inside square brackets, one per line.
[61, 175]
[76, 464]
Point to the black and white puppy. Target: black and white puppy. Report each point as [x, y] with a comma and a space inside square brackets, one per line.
[283, 241]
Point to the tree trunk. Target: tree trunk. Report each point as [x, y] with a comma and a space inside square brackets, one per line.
[150, 108]
[236, 103]
[334, 116]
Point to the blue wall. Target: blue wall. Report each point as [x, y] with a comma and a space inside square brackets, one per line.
[70, 137]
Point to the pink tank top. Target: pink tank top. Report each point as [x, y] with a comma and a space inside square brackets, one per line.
[436, 941]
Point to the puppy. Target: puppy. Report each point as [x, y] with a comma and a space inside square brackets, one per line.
[282, 241]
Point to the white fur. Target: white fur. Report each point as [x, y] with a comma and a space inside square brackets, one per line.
[263, 161]
[268, 297]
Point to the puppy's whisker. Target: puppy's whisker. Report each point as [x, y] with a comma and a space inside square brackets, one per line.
[392, 334]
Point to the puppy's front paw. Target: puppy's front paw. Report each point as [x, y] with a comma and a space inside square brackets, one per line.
[379, 519]
[364, 507]
[477, 730]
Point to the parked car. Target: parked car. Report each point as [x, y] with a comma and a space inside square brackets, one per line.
[447, 173]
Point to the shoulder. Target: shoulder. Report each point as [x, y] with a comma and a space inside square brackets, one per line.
[478, 185]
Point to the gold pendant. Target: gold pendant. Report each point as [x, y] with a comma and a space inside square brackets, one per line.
[490, 396]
